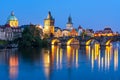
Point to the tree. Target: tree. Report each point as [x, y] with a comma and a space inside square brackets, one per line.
[31, 37]
[27, 38]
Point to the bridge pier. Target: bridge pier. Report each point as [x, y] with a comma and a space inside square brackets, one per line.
[83, 43]
[63, 44]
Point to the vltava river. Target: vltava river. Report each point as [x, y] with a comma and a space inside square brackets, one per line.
[61, 63]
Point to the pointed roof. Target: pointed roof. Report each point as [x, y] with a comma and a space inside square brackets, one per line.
[49, 15]
[79, 27]
[70, 20]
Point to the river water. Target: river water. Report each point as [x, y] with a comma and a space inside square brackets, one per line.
[61, 63]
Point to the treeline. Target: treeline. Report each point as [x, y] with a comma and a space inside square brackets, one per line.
[31, 38]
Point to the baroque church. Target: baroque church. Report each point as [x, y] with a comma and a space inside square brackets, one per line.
[10, 30]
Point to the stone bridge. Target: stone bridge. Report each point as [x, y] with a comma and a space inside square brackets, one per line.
[83, 41]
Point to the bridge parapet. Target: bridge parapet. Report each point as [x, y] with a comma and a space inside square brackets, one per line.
[82, 40]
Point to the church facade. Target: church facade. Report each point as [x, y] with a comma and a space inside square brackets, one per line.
[10, 31]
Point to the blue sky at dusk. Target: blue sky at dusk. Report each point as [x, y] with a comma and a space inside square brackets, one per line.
[94, 14]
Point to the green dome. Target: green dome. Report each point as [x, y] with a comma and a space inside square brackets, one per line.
[12, 17]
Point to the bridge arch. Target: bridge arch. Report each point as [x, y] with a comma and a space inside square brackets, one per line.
[72, 40]
[108, 42]
[88, 42]
[55, 41]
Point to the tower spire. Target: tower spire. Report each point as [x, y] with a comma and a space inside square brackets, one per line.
[69, 25]
[12, 13]
[70, 19]
[49, 15]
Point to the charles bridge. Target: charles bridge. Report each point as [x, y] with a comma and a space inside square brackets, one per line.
[83, 40]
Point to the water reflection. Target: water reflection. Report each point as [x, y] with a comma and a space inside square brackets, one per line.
[46, 61]
[116, 59]
[64, 62]
[99, 56]
[13, 63]
[103, 55]
[11, 58]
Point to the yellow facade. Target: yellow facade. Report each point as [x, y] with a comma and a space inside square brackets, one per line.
[13, 23]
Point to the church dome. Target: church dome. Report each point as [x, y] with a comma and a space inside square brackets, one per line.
[12, 20]
[12, 17]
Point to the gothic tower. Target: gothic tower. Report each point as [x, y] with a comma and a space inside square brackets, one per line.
[49, 24]
[69, 25]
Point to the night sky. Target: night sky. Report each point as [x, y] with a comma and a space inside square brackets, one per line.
[94, 14]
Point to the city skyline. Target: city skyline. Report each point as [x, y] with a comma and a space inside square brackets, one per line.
[90, 14]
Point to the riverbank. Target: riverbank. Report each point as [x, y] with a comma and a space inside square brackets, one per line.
[3, 44]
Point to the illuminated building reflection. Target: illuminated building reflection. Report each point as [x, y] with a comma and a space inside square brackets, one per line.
[46, 61]
[116, 59]
[102, 56]
[69, 55]
[77, 58]
[72, 55]
[13, 63]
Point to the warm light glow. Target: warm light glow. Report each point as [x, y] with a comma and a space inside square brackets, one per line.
[55, 40]
[88, 42]
[77, 58]
[39, 26]
[107, 57]
[57, 58]
[13, 63]
[108, 42]
[97, 48]
[69, 52]
[116, 59]
[72, 41]
[61, 55]
[88, 51]
[104, 34]
[99, 60]
[13, 23]
[46, 61]
[53, 52]
[69, 41]
[92, 61]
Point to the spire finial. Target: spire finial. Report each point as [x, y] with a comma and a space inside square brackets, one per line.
[12, 13]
